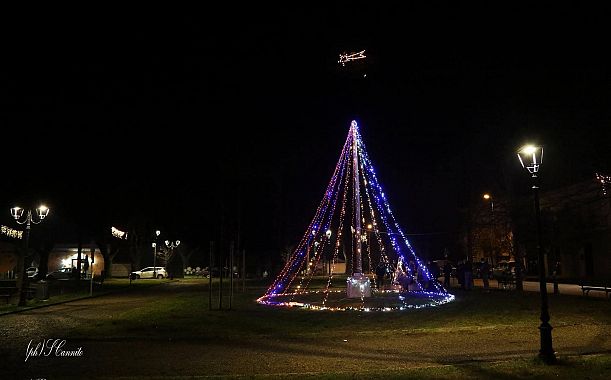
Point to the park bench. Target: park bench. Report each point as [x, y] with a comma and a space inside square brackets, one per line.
[506, 281]
[7, 293]
[586, 288]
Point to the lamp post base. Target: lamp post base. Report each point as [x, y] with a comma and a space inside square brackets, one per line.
[546, 353]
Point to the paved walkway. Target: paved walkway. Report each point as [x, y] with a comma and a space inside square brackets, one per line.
[533, 286]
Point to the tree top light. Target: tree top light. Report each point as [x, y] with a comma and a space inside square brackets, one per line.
[531, 157]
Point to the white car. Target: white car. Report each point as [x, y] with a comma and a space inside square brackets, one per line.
[60, 274]
[148, 272]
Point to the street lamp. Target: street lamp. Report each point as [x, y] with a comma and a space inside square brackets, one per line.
[326, 257]
[17, 212]
[157, 233]
[308, 248]
[488, 197]
[531, 157]
[171, 245]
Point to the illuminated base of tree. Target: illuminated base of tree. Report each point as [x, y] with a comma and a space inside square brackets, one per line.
[337, 300]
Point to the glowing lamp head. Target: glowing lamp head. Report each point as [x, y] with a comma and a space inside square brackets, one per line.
[157, 232]
[529, 149]
[328, 233]
[16, 212]
[369, 226]
[172, 244]
[487, 196]
[42, 211]
[531, 157]
[153, 244]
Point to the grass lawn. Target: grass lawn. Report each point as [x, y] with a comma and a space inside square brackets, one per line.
[290, 335]
[585, 367]
[187, 313]
[109, 286]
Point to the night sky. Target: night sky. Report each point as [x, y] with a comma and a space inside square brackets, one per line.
[184, 116]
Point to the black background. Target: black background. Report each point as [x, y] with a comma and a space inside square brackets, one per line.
[184, 115]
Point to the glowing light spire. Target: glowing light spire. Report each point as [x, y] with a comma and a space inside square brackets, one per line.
[354, 186]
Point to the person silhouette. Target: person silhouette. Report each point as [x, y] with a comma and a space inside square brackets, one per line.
[380, 273]
[447, 272]
[485, 272]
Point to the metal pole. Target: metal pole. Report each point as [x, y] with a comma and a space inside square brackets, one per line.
[492, 240]
[357, 202]
[220, 277]
[92, 250]
[230, 274]
[243, 270]
[155, 259]
[22, 282]
[210, 278]
[546, 353]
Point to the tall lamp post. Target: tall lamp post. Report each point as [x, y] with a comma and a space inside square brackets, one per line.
[531, 157]
[308, 248]
[488, 197]
[171, 245]
[157, 233]
[17, 213]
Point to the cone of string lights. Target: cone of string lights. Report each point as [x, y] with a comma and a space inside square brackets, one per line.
[353, 254]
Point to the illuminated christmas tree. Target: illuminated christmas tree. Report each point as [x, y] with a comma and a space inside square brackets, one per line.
[354, 255]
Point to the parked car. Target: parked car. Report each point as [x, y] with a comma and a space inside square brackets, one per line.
[149, 272]
[60, 274]
[441, 265]
[477, 271]
[504, 269]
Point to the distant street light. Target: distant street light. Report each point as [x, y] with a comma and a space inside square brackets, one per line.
[308, 248]
[531, 158]
[488, 197]
[171, 245]
[17, 213]
[157, 233]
